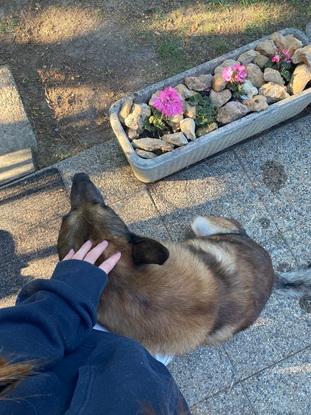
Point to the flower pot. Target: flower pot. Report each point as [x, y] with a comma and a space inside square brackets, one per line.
[151, 170]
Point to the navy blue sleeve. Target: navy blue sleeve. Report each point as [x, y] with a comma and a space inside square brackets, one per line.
[52, 317]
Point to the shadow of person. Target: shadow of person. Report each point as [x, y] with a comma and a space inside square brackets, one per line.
[11, 279]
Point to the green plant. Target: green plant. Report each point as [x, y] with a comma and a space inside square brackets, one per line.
[206, 112]
[155, 124]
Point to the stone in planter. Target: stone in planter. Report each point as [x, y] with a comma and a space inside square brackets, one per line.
[125, 109]
[174, 122]
[135, 120]
[249, 90]
[292, 44]
[232, 111]
[199, 83]
[266, 47]
[279, 40]
[227, 62]
[218, 99]
[184, 91]
[273, 92]
[145, 154]
[152, 144]
[261, 60]
[302, 55]
[247, 57]
[132, 134]
[272, 75]
[153, 96]
[255, 75]
[300, 78]
[257, 103]
[190, 111]
[218, 82]
[177, 139]
[205, 130]
[187, 127]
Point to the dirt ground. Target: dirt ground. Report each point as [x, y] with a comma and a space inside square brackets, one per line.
[72, 59]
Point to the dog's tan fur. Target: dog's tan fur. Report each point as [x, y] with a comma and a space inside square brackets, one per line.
[207, 288]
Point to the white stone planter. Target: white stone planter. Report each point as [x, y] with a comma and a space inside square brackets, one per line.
[152, 170]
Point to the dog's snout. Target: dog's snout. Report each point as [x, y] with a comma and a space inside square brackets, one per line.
[84, 191]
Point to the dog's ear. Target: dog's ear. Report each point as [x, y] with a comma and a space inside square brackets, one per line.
[148, 251]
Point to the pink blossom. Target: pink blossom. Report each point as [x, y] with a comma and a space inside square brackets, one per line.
[287, 55]
[240, 72]
[169, 102]
[276, 58]
[227, 73]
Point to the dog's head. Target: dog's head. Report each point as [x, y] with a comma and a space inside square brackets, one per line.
[90, 218]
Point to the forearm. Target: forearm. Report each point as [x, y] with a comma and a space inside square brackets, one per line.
[53, 316]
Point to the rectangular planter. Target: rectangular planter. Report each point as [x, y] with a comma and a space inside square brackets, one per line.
[154, 169]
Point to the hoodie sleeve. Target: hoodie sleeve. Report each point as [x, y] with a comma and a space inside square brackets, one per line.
[52, 317]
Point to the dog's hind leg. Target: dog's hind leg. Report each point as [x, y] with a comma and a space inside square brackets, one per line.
[211, 225]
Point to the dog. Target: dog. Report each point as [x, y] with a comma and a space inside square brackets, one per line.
[171, 297]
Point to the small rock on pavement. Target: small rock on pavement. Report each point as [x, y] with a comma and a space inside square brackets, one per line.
[300, 78]
[232, 111]
[187, 127]
[257, 103]
[261, 60]
[152, 144]
[199, 83]
[218, 99]
[177, 139]
[184, 91]
[135, 120]
[125, 109]
[207, 129]
[190, 111]
[255, 75]
[302, 55]
[266, 47]
[247, 57]
[273, 92]
[272, 75]
[145, 154]
[218, 82]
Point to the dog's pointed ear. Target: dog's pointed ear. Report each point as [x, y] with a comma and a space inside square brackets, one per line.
[148, 251]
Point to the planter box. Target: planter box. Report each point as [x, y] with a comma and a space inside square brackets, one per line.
[154, 169]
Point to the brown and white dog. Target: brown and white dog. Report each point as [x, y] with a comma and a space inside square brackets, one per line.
[171, 297]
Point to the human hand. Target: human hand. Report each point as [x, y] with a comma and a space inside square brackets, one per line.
[86, 253]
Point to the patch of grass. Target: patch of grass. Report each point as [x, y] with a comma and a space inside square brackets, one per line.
[218, 45]
[8, 24]
[171, 53]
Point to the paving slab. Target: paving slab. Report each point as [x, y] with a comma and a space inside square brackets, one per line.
[232, 401]
[107, 168]
[283, 389]
[15, 130]
[15, 165]
[202, 373]
[219, 186]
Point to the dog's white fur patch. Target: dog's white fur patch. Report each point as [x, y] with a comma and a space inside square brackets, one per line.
[201, 226]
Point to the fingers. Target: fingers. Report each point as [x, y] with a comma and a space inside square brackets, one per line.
[69, 255]
[110, 263]
[96, 252]
[82, 252]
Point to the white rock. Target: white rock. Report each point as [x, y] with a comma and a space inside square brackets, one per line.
[218, 82]
[190, 111]
[145, 154]
[279, 40]
[152, 144]
[273, 92]
[177, 139]
[218, 99]
[257, 103]
[174, 122]
[254, 74]
[199, 83]
[205, 130]
[132, 133]
[266, 47]
[261, 60]
[247, 57]
[187, 126]
[249, 90]
[302, 55]
[135, 120]
[125, 109]
[184, 91]
[292, 43]
[300, 78]
[232, 111]
[272, 75]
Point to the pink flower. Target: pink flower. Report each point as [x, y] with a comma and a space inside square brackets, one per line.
[227, 73]
[287, 55]
[240, 72]
[169, 102]
[276, 58]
